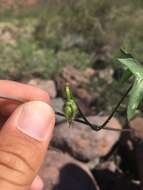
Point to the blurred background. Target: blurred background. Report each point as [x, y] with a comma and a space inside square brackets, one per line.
[48, 42]
[41, 38]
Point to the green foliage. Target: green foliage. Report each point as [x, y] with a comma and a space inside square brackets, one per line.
[95, 24]
[61, 32]
[75, 57]
[47, 33]
[133, 39]
[136, 94]
[25, 60]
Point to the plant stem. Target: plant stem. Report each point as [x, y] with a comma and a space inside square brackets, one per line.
[116, 108]
[85, 120]
[94, 127]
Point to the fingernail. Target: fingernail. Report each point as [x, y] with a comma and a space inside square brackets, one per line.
[36, 119]
[37, 184]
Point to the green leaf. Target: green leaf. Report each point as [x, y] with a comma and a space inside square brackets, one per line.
[126, 54]
[126, 75]
[135, 98]
[133, 65]
[136, 94]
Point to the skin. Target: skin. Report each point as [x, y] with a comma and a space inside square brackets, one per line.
[14, 143]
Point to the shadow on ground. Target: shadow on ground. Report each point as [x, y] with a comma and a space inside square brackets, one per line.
[72, 177]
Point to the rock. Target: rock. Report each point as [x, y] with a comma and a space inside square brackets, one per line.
[102, 57]
[58, 104]
[107, 165]
[82, 142]
[89, 72]
[137, 125]
[78, 82]
[60, 171]
[83, 104]
[84, 95]
[47, 85]
[106, 74]
[71, 75]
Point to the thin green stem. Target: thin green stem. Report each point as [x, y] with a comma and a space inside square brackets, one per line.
[93, 126]
[116, 108]
[97, 128]
[85, 120]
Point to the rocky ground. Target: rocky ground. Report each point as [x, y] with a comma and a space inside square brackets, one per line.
[39, 47]
[80, 158]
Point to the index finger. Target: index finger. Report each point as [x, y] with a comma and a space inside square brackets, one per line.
[23, 91]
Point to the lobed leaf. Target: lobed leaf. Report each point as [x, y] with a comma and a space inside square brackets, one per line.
[133, 65]
[136, 94]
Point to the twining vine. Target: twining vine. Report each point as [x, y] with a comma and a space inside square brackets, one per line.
[71, 107]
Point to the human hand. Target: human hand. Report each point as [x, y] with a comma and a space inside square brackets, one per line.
[26, 130]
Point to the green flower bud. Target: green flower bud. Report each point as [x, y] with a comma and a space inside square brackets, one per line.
[70, 106]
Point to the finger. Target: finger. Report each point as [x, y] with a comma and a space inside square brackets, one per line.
[23, 91]
[37, 184]
[23, 143]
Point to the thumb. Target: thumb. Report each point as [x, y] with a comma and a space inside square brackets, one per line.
[23, 142]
